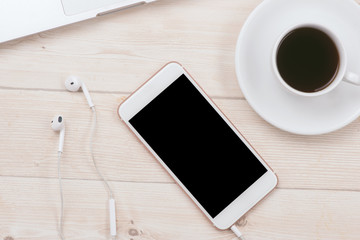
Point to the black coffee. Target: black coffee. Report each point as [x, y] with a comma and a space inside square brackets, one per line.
[307, 59]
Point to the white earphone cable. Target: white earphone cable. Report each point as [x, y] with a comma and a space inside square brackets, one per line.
[93, 128]
[61, 220]
[112, 211]
[237, 232]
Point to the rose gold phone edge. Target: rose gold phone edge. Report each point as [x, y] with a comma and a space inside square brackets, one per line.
[231, 125]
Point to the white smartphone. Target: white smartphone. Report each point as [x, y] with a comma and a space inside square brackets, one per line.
[199, 147]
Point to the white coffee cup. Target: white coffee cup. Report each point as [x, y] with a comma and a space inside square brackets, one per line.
[342, 73]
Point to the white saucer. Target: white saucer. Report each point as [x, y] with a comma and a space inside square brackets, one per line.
[278, 106]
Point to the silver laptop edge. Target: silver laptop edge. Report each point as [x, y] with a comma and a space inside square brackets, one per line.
[19, 18]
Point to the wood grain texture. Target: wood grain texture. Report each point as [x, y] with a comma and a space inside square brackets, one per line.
[318, 194]
[162, 211]
[320, 162]
[109, 51]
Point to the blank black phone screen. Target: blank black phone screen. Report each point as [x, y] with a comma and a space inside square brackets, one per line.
[198, 146]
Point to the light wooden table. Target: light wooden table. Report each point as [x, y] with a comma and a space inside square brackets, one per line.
[318, 196]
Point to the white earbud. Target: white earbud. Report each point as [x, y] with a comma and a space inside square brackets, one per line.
[58, 125]
[73, 84]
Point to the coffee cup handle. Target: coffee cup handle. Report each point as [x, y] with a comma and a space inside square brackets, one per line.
[352, 78]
